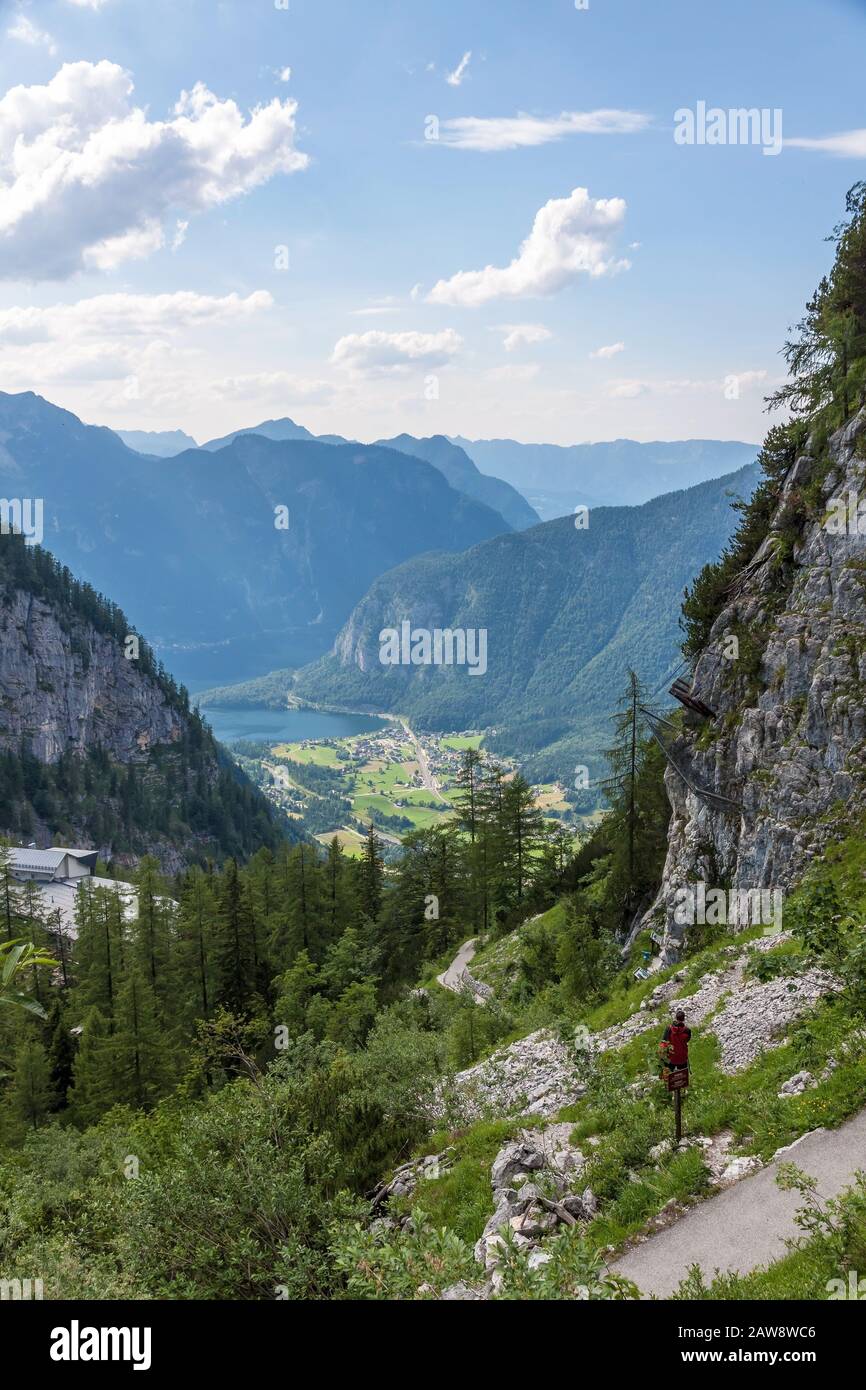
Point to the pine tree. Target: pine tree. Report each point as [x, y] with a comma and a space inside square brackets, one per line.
[30, 1097]
[95, 1085]
[61, 1052]
[99, 947]
[140, 1051]
[235, 956]
[372, 875]
[522, 829]
[196, 948]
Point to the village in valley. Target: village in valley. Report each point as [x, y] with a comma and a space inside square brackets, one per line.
[394, 778]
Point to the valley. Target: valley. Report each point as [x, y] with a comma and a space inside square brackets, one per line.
[432, 731]
[334, 781]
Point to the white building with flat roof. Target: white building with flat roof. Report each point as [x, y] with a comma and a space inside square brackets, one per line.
[51, 865]
[59, 874]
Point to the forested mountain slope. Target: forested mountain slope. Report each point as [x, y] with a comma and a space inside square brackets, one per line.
[567, 611]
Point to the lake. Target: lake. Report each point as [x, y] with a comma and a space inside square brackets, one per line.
[286, 725]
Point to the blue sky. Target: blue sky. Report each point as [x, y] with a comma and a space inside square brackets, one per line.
[140, 230]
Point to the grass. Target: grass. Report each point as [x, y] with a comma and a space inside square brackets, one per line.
[462, 1198]
[320, 754]
[460, 742]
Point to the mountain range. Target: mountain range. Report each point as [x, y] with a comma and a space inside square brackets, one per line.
[566, 613]
[452, 462]
[194, 548]
[556, 478]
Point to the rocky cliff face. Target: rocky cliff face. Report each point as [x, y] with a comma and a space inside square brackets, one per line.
[787, 743]
[102, 747]
[69, 688]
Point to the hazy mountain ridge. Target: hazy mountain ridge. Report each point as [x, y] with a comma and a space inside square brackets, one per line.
[463, 474]
[157, 443]
[555, 478]
[190, 545]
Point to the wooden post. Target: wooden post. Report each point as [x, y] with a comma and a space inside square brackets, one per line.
[678, 1102]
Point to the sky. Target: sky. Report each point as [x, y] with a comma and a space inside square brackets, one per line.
[487, 219]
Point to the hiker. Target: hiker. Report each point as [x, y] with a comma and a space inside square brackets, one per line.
[674, 1046]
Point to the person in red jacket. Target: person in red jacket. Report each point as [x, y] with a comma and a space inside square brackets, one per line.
[674, 1046]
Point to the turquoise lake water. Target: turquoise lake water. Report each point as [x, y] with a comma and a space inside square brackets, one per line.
[286, 725]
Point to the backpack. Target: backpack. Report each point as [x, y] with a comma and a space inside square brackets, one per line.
[678, 1052]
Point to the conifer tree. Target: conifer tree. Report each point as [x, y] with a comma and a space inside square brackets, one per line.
[30, 1097]
[94, 1081]
[372, 875]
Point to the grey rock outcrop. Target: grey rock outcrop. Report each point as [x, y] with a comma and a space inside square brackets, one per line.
[787, 742]
[65, 687]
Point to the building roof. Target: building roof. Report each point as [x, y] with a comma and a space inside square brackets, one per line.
[45, 860]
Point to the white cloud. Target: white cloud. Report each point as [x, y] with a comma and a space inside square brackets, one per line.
[523, 335]
[570, 237]
[89, 4]
[847, 144]
[26, 32]
[629, 389]
[388, 305]
[126, 314]
[284, 74]
[522, 131]
[134, 245]
[86, 177]
[609, 350]
[376, 353]
[514, 371]
[742, 381]
[456, 77]
[180, 232]
[282, 386]
[113, 348]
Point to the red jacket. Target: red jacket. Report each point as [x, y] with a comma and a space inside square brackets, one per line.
[677, 1037]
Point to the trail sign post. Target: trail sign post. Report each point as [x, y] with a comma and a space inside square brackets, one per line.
[677, 1079]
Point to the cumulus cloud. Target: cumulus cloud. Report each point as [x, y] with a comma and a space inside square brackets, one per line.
[26, 32]
[456, 77]
[121, 347]
[570, 237]
[377, 353]
[847, 144]
[609, 350]
[86, 177]
[523, 335]
[490, 133]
